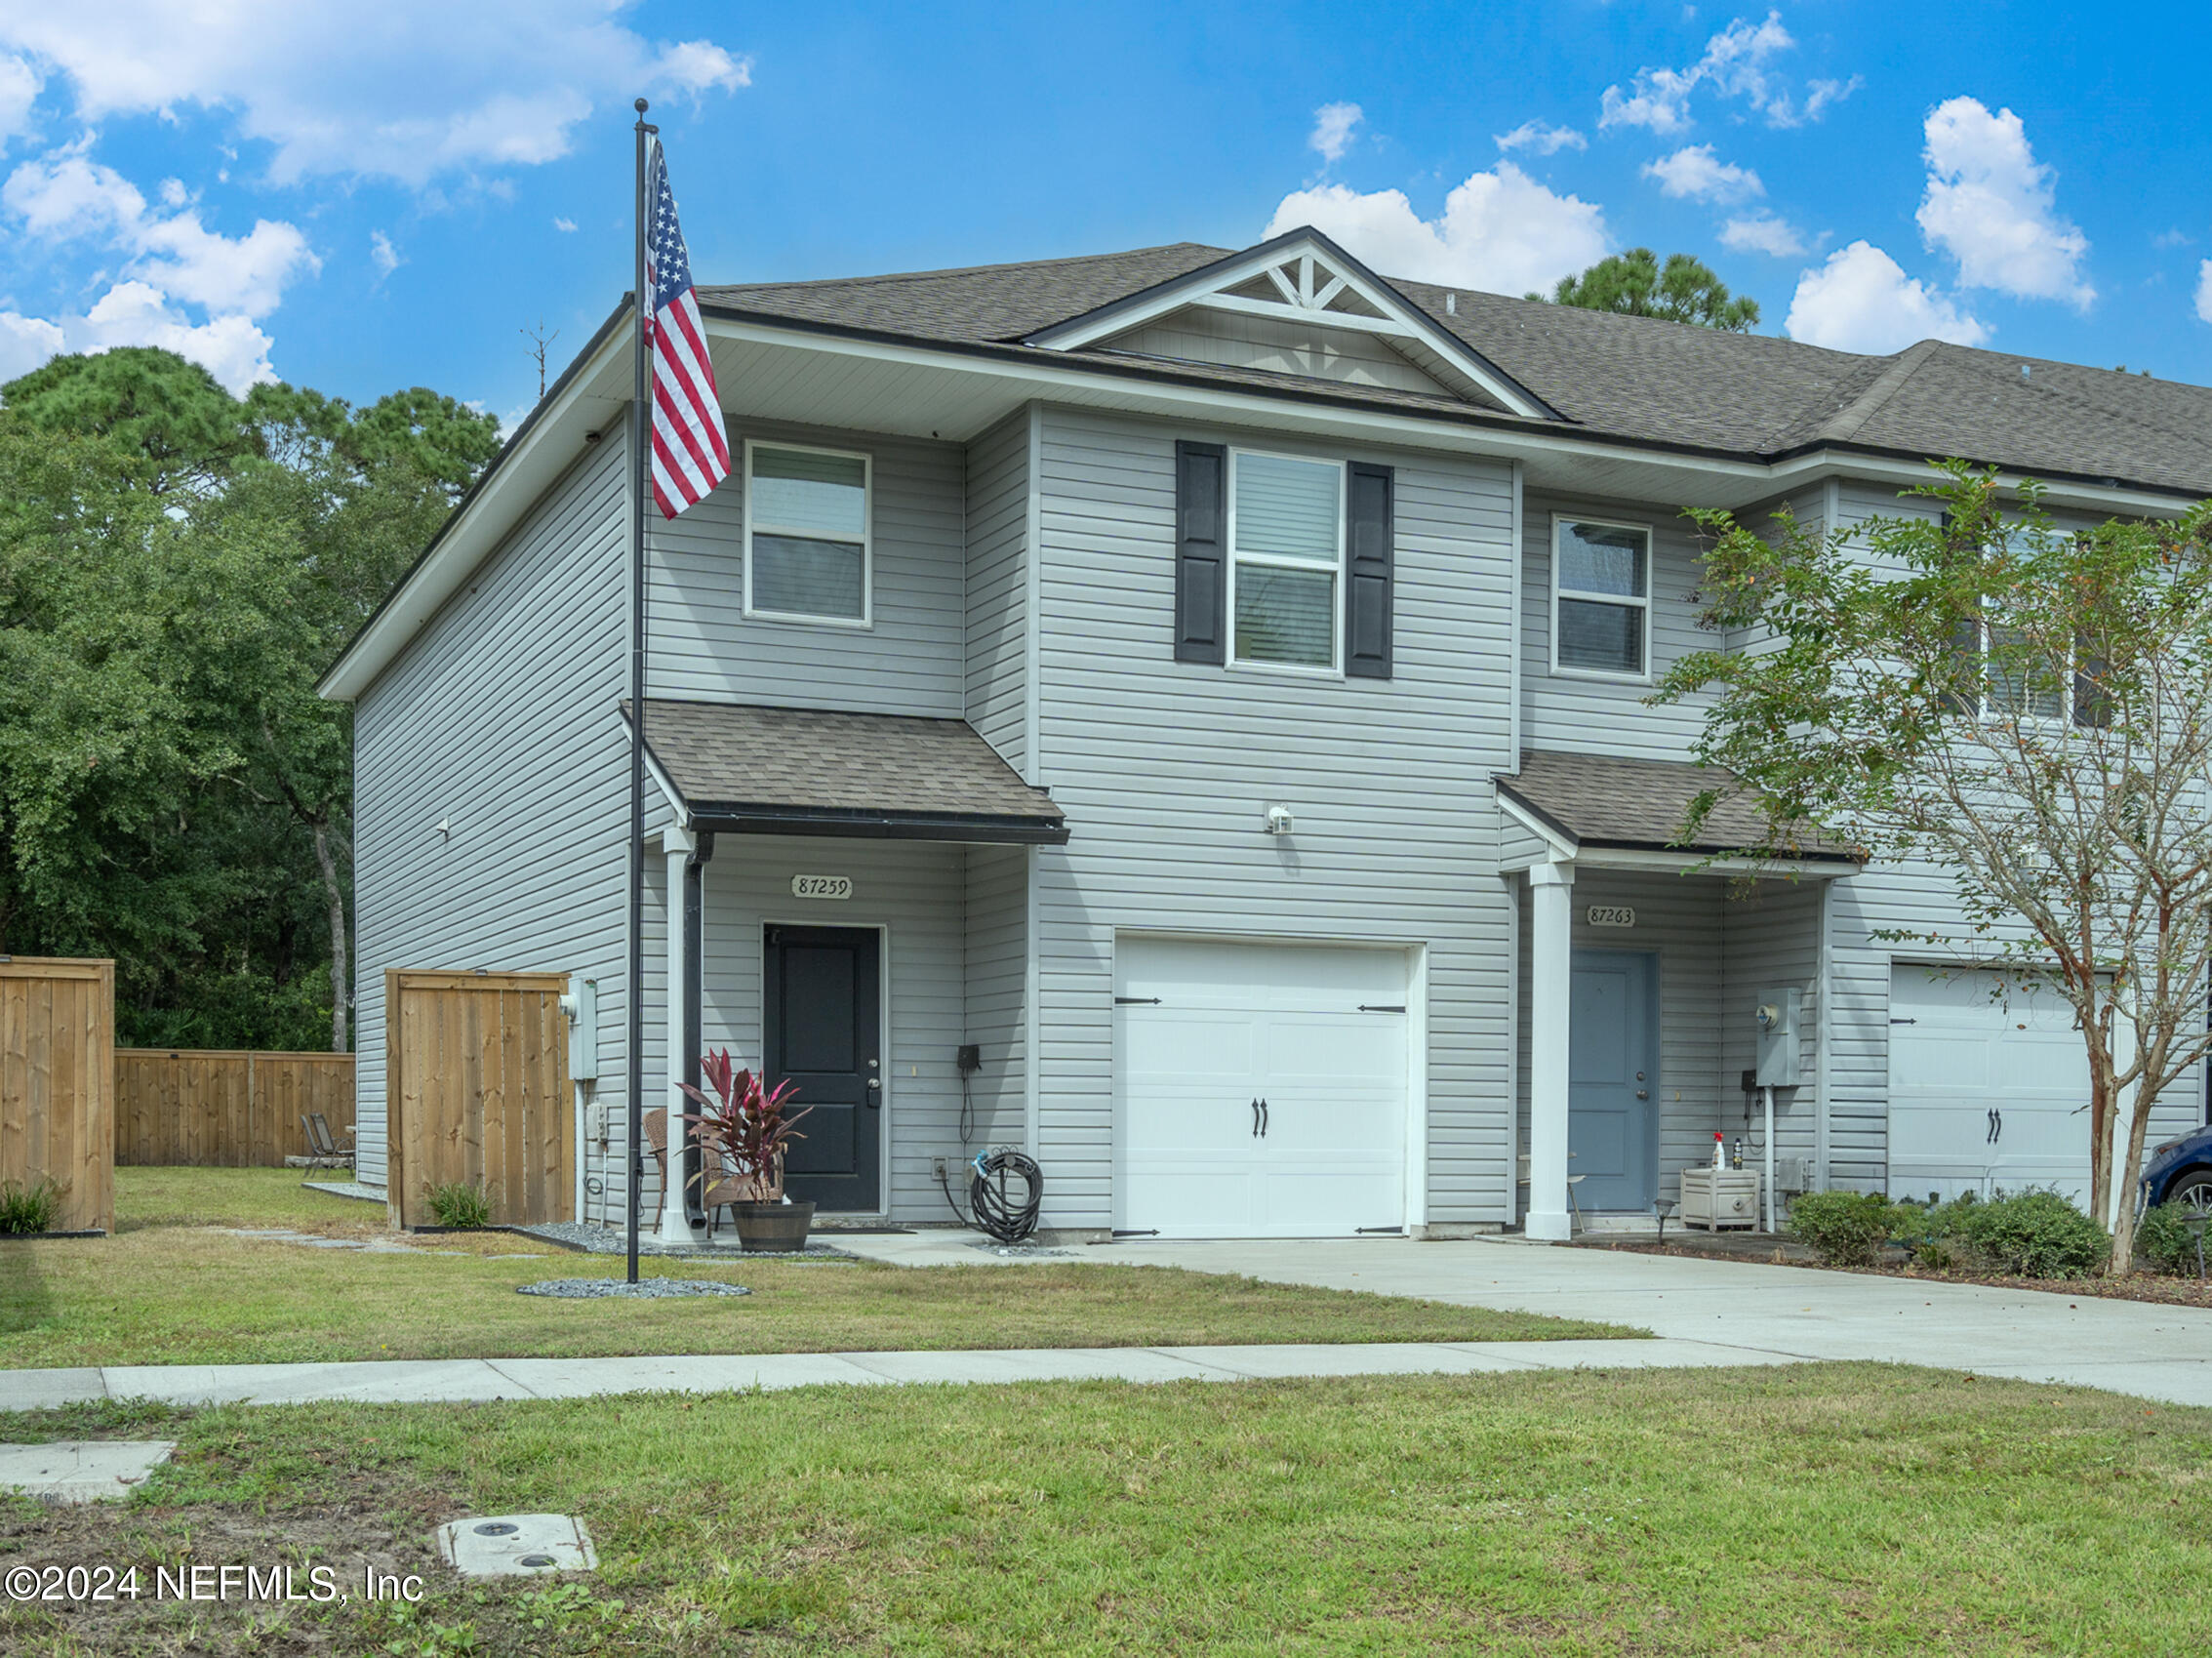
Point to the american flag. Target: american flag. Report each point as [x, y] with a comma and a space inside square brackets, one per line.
[691, 450]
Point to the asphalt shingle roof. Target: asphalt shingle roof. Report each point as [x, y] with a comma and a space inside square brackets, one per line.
[1604, 800]
[1637, 379]
[737, 760]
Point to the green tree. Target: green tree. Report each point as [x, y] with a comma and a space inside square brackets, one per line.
[1635, 283]
[176, 567]
[2028, 710]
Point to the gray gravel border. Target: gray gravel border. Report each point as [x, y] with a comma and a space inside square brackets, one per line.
[645, 1289]
[608, 1241]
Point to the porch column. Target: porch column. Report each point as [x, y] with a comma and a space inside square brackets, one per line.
[676, 847]
[1552, 981]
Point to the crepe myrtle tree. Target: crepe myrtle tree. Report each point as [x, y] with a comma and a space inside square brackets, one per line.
[2029, 710]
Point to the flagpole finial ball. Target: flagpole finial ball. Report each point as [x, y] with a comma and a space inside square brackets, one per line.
[642, 106]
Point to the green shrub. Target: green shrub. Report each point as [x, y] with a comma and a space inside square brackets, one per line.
[1844, 1229]
[2165, 1239]
[26, 1209]
[458, 1204]
[2035, 1233]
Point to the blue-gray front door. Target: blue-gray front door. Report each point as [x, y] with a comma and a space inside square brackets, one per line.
[1613, 1080]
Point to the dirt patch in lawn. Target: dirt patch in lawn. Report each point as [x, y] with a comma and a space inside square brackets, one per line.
[1767, 1251]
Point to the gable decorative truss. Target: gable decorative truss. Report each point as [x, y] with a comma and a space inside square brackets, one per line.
[1302, 277]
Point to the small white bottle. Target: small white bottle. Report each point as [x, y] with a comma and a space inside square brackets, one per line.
[1719, 1150]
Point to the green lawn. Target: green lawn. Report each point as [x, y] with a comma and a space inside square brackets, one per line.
[1819, 1509]
[169, 1288]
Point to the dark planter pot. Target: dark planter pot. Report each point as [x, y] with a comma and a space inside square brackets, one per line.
[773, 1228]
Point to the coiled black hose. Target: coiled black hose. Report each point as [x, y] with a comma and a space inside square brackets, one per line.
[993, 1211]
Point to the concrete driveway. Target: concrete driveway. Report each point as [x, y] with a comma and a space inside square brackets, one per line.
[2130, 1347]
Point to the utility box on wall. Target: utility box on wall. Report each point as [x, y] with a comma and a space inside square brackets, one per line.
[1778, 1057]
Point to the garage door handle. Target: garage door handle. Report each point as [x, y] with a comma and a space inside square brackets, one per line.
[1999, 1115]
[1989, 1135]
[1255, 1116]
[1263, 1119]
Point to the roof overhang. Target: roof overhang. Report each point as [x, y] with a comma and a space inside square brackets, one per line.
[1560, 836]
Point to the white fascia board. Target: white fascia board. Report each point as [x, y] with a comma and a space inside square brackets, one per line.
[1690, 863]
[1558, 848]
[1209, 287]
[2120, 501]
[540, 454]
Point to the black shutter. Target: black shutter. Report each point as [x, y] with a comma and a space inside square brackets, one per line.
[1369, 574]
[1201, 553]
[2092, 704]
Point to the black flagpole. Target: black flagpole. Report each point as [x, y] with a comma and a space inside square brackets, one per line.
[641, 437]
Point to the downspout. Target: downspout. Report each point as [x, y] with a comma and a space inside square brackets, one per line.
[695, 1006]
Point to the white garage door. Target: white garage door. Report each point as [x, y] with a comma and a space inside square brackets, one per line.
[1260, 1089]
[1983, 1093]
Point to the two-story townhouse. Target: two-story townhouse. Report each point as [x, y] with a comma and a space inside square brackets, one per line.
[1208, 688]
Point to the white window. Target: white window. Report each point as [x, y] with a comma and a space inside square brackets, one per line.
[1286, 533]
[1601, 598]
[806, 532]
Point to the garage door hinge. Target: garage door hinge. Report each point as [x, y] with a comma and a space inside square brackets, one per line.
[1136, 1001]
[1391, 1007]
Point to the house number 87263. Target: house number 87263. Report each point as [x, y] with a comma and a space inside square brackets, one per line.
[821, 886]
[1611, 915]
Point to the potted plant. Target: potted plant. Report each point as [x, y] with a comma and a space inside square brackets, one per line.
[743, 1128]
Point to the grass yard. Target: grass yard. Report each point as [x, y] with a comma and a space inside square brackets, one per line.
[1819, 1509]
[172, 1288]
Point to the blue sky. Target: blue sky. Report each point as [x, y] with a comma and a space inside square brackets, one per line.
[360, 205]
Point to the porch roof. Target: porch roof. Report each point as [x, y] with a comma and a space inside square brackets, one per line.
[1607, 801]
[738, 768]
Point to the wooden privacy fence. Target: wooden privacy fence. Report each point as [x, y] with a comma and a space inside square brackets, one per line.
[57, 1083]
[213, 1108]
[477, 1092]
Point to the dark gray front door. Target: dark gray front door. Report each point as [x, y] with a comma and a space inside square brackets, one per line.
[1613, 1080]
[822, 1002]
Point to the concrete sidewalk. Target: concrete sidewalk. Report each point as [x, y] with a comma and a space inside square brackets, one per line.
[432, 1380]
[2151, 1349]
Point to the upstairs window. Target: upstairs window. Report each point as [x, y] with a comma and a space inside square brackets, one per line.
[1287, 540]
[1600, 599]
[807, 548]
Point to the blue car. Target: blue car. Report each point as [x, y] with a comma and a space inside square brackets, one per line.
[2179, 1171]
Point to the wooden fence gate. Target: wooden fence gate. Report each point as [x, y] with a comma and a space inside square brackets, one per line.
[57, 1083]
[477, 1092]
[210, 1108]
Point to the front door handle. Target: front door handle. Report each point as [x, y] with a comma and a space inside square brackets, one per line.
[1643, 1093]
[875, 1093]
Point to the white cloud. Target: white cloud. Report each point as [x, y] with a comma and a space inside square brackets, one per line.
[1862, 300]
[2204, 291]
[20, 87]
[1694, 171]
[137, 313]
[1762, 233]
[25, 342]
[66, 195]
[564, 224]
[1738, 63]
[1990, 206]
[1544, 139]
[428, 89]
[383, 255]
[1332, 127]
[1500, 231]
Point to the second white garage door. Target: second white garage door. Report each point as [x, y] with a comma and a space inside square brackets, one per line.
[1261, 1089]
[1983, 1093]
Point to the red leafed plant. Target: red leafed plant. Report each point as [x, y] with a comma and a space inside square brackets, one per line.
[746, 1121]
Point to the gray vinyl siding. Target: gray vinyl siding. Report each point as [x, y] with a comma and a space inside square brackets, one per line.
[1277, 346]
[912, 659]
[1165, 770]
[1771, 939]
[1570, 714]
[500, 720]
[997, 597]
[998, 943]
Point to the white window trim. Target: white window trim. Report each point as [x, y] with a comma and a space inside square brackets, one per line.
[1624, 600]
[1989, 711]
[1335, 667]
[754, 613]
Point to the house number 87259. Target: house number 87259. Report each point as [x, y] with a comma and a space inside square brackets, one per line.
[821, 886]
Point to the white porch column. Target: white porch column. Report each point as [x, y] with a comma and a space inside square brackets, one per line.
[677, 846]
[1552, 981]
